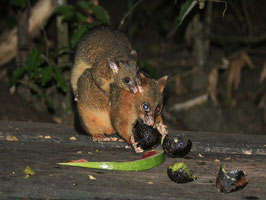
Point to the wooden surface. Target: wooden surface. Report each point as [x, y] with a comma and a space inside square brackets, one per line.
[42, 145]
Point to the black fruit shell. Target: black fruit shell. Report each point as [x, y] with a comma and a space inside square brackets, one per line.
[176, 146]
[179, 176]
[146, 136]
[231, 181]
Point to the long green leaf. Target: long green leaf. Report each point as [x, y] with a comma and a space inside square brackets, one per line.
[66, 11]
[46, 75]
[78, 33]
[17, 74]
[33, 61]
[60, 79]
[185, 9]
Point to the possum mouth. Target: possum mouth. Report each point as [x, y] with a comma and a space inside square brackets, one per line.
[148, 119]
[133, 89]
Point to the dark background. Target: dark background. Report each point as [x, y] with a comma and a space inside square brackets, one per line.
[222, 57]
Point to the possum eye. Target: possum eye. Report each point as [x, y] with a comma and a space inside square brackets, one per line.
[146, 107]
[127, 80]
[158, 108]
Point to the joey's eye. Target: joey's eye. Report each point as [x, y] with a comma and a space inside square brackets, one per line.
[126, 80]
[158, 108]
[146, 107]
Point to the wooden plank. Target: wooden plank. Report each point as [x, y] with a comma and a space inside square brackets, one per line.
[52, 181]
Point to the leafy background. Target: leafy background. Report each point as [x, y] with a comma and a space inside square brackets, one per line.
[214, 52]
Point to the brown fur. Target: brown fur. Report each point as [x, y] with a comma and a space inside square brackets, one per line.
[93, 107]
[126, 108]
[101, 114]
[96, 49]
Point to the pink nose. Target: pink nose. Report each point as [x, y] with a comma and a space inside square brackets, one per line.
[135, 90]
[150, 122]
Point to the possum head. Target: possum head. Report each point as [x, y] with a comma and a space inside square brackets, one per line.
[150, 101]
[126, 73]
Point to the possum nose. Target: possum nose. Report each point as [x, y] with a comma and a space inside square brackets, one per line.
[134, 90]
[149, 119]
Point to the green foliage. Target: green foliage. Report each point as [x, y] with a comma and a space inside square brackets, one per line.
[79, 14]
[66, 11]
[40, 76]
[78, 33]
[185, 9]
[41, 72]
[19, 3]
[146, 67]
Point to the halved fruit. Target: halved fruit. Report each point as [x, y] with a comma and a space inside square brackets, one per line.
[149, 160]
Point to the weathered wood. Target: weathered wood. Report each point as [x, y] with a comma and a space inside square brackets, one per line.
[42, 145]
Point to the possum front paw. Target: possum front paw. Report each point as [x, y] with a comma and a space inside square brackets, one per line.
[135, 145]
[162, 129]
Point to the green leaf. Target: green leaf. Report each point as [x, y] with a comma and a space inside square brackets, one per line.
[81, 18]
[46, 75]
[78, 33]
[34, 87]
[17, 74]
[99, 12]
[60, 79]
[66, 11]
[33, 61]
[185, 9]
[19, 3]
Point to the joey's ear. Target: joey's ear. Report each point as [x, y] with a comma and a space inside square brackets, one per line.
[113, 66]
[133, 54]
[142, 76]
[162, 82]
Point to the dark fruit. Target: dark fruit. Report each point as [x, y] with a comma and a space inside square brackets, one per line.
[147, 136]
[180, 173]
[231, 181]
[176, 146]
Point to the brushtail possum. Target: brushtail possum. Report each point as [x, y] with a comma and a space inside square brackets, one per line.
[107, 51]
[102, 115]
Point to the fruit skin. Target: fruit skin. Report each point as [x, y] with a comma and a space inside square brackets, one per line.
[230, 181]
[149, 160]
[176, 146]
[180, 173]
[146, 136]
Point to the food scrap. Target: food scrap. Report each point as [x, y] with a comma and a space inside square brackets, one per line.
[29, 172]
[176, 146]
[72, 138]
[180, 173]
[11, 138]
[91, 177]
[231, 181]
[149, 160]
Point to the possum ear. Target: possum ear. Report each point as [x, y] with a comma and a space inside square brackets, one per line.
[162, 82]
[113, 66]
[133, 54]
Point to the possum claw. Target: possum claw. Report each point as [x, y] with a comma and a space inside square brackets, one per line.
[134, 145]
[162, 129]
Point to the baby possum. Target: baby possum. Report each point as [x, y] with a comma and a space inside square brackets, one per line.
[107, 51]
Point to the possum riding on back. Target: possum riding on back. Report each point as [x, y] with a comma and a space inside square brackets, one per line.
[107, 51]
